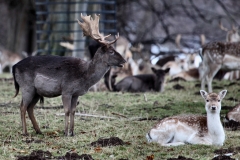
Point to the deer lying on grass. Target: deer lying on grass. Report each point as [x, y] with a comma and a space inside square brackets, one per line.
[232, 118]
[142, 82]
[52, 76]
[8, 59]
[192, 129]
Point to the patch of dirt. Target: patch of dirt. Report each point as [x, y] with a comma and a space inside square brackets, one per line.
[180, 158]
[223, 157]
[177, 79]
[233, 150]
[112, 141]
[6, 79]
[75, 156]
[36, 155]
[218, 87]
[46, 155]
[233, 125]
[231, 84]
[227, 107]
[197, 93]
[149, 119]
[178, 87]
[232, 99]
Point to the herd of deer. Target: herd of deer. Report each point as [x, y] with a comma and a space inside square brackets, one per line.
[52, 76]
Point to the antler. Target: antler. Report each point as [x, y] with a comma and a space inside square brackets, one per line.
[90, 28]
[221, 27]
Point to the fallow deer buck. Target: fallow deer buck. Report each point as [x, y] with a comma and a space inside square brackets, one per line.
[192, 129]
[52, 76]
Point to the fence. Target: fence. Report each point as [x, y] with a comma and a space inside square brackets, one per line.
[57, 22]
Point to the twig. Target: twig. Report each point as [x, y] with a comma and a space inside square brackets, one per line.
[145, 97]
[119, 115]
[87, 115]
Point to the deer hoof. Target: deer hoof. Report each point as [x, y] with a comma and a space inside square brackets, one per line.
[39, 132]
[25, 134]
[71, 134]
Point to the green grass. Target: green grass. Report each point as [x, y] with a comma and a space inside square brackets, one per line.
[127, 108]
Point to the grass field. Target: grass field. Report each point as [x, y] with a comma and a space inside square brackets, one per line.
[131, 115]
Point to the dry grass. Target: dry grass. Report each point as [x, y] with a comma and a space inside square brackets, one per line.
[126, 108]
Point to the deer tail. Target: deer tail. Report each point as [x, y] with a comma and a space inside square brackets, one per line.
[15, 82]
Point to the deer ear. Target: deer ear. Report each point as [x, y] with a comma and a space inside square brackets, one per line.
[222, 94]
[204, 94]
[154, 70]
[167, 70]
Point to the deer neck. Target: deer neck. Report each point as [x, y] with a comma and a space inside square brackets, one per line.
[215, 128]
[96, 70]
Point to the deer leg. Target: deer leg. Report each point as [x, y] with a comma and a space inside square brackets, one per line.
[66, 99]
[72, 113]
[213, 69]
[27, 96]
[23, 118]
[198, 140]
[31, 114]
[202, 75]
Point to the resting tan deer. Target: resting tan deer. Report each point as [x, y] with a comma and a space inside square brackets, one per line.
[52, 76]
[192, 129]
[8, 59]
[232, 118]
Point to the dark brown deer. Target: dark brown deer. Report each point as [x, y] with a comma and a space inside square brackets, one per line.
[52, 76]
[142, 82]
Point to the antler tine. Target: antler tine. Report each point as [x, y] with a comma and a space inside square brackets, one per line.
[90, 28]
[221, 27]
[111, 42]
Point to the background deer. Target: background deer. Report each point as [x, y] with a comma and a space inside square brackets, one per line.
[192, 129]
[8, 59]
[51, 76]
[142, 82]
[217, 55]
[232, 118]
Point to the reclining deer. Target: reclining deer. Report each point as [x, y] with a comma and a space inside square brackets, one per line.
[142, 82]
[232, 118]
[52, 76]
[192, 129]
[8, 59]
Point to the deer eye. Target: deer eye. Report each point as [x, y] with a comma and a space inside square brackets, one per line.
[218, 100]
[111, 52]
[207, 100]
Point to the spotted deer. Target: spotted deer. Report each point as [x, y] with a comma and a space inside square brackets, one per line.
[192, 129]
[232, 36]
[52, 76]
[232, 118]
[216, 56]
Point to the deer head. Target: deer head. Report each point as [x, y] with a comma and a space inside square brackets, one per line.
[232, 35]
[213, 100]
